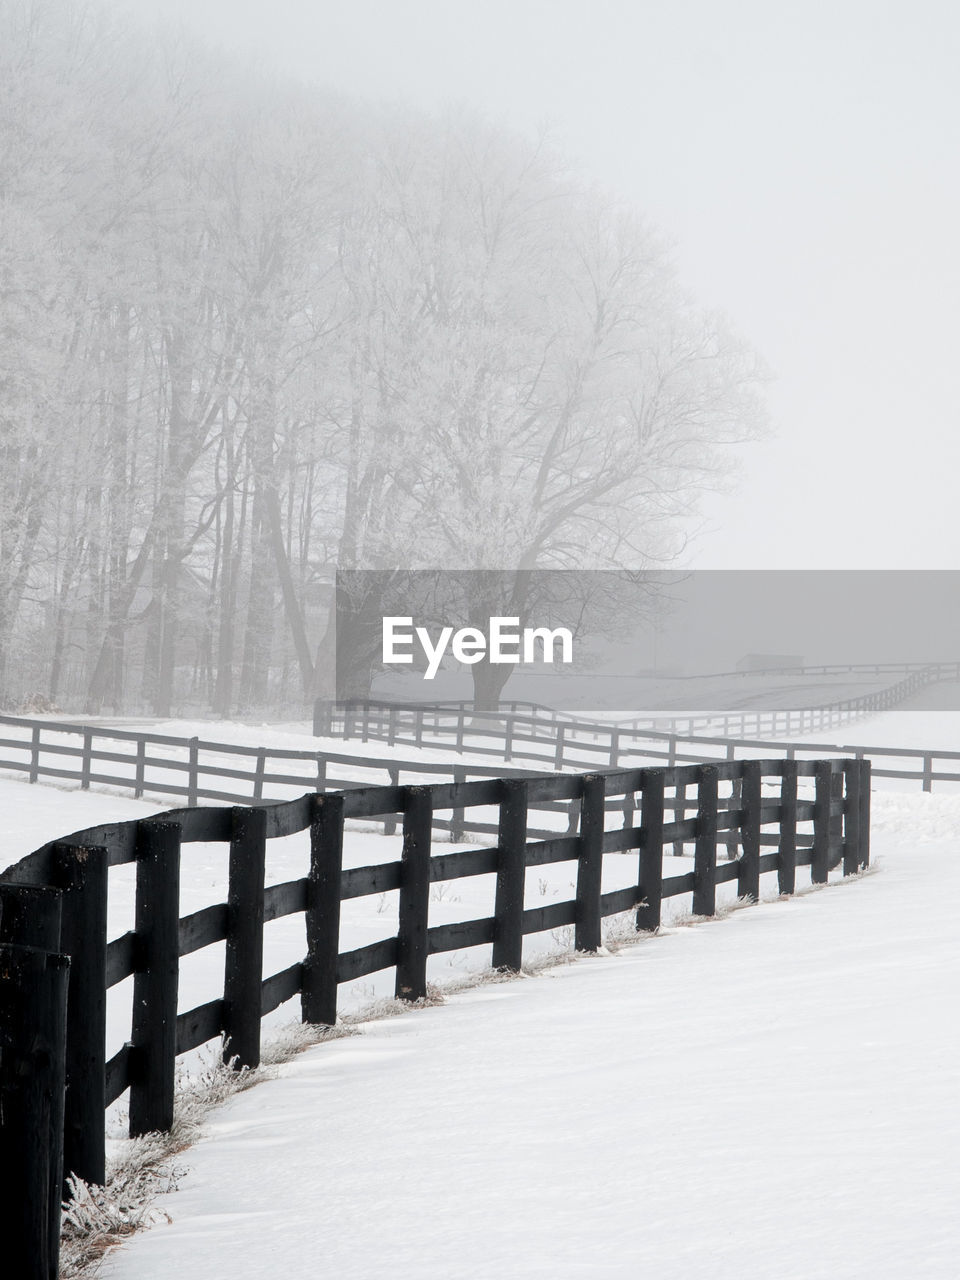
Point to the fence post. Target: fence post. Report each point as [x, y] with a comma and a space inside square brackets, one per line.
[30, 916]
[650, 886]
[193, 771]
[321, 772]
[34, 754]
[511, 875]
[243, 972]
[390, 822]
[819, 867]
[731, 837]
[419, 731]
[865, 771]
[155, 984]
[679, 814]
[33, 1030]
[458, 816]
[508, 738]
[590, 863]
[318, 998]
[851, 817]
[787, 861]
[259, 771]
[558, 755]
[81, 872]
[705, 854]
[86, 760]
[928, 772]
[748, 871]
[414, 894]
[141, 767]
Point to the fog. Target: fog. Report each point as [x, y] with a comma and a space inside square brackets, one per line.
[291, 289]
[802, 158]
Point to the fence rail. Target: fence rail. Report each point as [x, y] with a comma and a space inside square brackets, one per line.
[776, 723]
[195, 769]
[547, 739]
[53, 904]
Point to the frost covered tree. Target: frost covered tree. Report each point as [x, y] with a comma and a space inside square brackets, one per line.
[532, 390]
[253, 332]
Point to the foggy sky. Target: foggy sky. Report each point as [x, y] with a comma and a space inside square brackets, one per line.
[804, 159]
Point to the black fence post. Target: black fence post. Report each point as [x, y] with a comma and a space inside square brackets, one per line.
[748, 870]
[243, 972]
[33, 1017]
[156, 981]
[820, 864]
[732, 836]
[787, 860]
[511, 875]
[30, 916]
[318, 998]
[851, 817]
[414, 893]
[705, 854]
[587, 930]
[836, 815]
[865, 772]
[458, 817]
[679, 814]
[650, 886]
[81, 872]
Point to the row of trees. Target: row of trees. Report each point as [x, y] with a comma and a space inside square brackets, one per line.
[252, 332]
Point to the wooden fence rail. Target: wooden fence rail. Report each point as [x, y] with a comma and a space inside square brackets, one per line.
[53, 905]
[776, 722]
[534, 736]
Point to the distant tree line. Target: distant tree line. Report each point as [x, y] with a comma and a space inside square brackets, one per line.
[251, 331]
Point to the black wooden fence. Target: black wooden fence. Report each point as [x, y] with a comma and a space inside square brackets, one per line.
[54, 904]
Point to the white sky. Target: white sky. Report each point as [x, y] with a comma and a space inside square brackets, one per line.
[803, 156]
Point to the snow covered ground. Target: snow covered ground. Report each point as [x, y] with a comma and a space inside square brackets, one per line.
[769, 1095]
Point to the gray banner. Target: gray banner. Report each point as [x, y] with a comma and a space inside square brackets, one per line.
[617, 641]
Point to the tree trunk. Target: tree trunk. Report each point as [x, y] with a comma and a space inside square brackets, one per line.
[488, 682]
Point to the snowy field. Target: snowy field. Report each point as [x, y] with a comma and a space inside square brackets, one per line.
[771, 1095]
[735, 1098]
